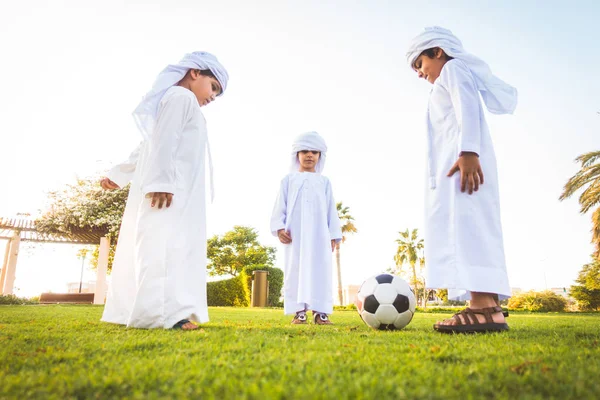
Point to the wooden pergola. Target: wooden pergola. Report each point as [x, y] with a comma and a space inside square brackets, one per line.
[22, 230]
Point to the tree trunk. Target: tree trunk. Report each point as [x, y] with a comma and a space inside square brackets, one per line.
[339, 274]
[415, 288]
[425, 294]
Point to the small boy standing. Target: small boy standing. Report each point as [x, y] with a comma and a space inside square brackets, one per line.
[463, 232]
[305, 220]
[159, 271]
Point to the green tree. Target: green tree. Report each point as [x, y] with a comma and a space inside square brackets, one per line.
[348, 227]
[587, 177]
[237, 249]
[587, 291]
[442, 294]
[409, 251]
[85, 206]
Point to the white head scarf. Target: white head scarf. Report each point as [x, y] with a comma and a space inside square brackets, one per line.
[498, 96]
[145, 113]
[309, 141]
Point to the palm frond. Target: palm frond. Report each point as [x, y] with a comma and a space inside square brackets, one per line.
[579, 180]
[589, 173]
[590, 197]
[409, 245]
[346, 219]
[588, 159]
[596, 231]
[349, 227]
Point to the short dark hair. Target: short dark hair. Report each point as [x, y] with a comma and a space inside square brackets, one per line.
[431, 54]
[209, 73]
[206, 72]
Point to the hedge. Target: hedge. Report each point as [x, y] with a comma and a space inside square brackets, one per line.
[11, 299]
[232, 292]
[546, 301]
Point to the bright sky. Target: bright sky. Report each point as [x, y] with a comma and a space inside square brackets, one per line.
[72, 72]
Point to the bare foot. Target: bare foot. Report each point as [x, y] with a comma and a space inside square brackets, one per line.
[185, 325]
[189, 326]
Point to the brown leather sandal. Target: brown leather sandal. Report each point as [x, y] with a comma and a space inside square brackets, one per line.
[321, 319]
[470, 324]
[300, 318]
[497, 300]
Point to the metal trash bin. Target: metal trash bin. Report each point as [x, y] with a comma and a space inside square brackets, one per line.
[260, 288]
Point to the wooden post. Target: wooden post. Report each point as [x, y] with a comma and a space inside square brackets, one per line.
[4, 265]
[101, 271]
[260, 288]
[11, 267]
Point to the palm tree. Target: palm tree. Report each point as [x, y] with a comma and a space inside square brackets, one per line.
[588, 176]
[409, 247]
[426, 292]
[347, 227]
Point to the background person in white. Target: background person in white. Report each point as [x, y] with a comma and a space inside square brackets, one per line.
[463, 234]
[159, 271]
[306, 221]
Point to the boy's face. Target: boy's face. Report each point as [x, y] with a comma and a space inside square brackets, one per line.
[205, 88]
[308, 160]
[430, 68]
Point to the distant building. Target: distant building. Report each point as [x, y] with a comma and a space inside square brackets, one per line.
[350, 292]
[86, 287]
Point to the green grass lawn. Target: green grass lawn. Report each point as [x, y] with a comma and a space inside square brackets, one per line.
[66, 352]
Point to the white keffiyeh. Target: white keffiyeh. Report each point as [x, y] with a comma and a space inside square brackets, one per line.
[498, 96]
[309, 141]
[145, 113]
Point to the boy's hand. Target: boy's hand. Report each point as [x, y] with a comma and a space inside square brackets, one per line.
[284, 237]
[107, 184]
[333, 242]
[471, 174]
[160, 198]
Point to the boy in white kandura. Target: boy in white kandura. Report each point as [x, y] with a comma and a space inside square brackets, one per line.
[306, 221]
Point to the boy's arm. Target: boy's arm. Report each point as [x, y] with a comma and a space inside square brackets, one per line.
[464, 95]
[121, 174]
[465, 99]
[333, 220]
[279, 210]
[159, 174]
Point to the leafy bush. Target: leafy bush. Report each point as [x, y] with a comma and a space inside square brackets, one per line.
[229, 292]
[545, 301]
[11, 299]
[348, 307]
[82, 207]
[275, 283]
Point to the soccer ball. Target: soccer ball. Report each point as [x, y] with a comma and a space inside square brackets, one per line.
[386, 302]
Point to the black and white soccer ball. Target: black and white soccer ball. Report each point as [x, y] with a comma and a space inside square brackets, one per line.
[386, 302]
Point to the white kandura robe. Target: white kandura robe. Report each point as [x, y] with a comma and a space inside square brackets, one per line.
[463, 234]
[159, 270]
[306, 208]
